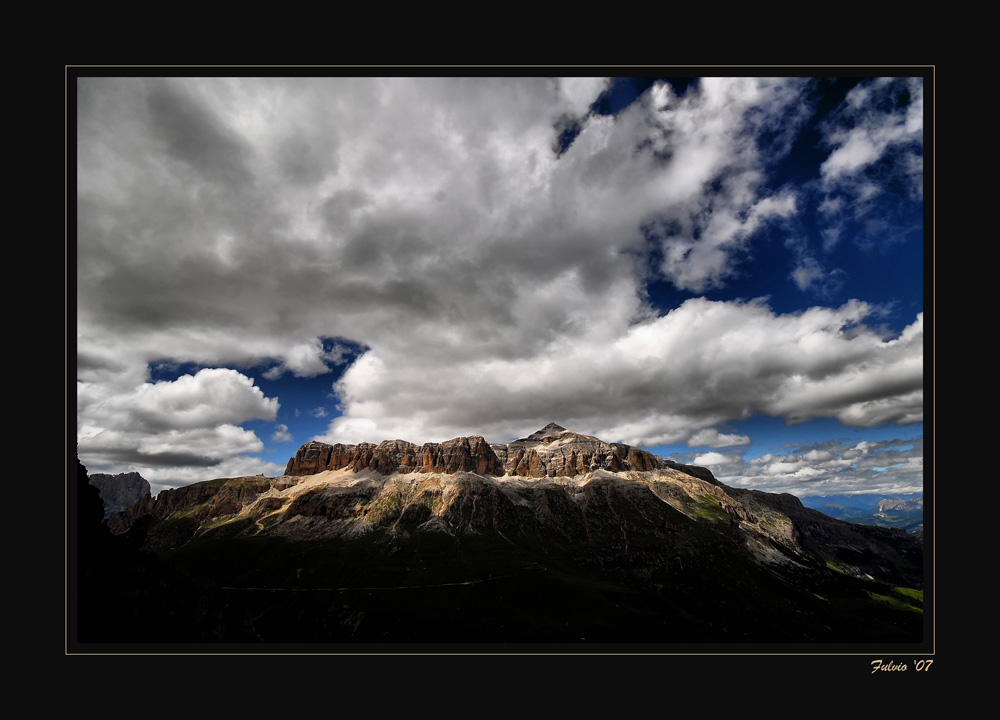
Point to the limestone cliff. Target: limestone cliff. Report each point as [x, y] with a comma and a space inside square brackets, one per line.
[552, 451]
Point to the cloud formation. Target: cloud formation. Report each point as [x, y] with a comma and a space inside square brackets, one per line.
[281, 433]
[833, 467]
[496, 283]
[192, 423]
[664, 380]
[876, 152]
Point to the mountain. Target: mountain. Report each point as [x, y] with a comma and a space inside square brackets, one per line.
[119, 491]
[556, 537]
[553, 451]
[906, 512]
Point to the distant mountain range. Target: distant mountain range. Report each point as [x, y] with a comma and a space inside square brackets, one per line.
[558, 537]
[900, 511]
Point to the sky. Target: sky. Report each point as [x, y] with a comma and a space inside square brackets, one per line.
[727, 270]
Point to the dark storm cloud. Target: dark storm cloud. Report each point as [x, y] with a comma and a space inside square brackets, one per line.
[160, 460]
[303, 161]
[196, 136]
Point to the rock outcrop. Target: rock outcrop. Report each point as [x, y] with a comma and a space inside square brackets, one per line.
[121, 491]
[316, 457]
[555, 451]
[463, 454]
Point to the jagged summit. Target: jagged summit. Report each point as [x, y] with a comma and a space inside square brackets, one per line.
[549, 432]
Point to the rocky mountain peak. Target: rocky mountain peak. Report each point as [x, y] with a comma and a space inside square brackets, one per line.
[549, 432]
[119, 492]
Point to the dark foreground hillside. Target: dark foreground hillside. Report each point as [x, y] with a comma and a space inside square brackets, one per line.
[614, 565]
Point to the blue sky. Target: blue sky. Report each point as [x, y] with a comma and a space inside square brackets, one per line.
[726, 270]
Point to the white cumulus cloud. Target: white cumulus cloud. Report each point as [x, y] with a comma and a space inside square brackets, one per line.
[281, 433]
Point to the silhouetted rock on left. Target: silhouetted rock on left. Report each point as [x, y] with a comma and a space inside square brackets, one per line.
[121, 491]
[120, 593]
[110, 572]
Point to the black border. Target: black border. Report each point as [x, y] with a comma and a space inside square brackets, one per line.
[781, 658]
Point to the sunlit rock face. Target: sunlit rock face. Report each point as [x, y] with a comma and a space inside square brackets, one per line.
[552, 451]
[316, 457]
[555, 451]
[464, 454]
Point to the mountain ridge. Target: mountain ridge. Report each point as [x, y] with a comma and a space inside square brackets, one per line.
[697, 559]
[552, 451]
[904, 511]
